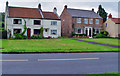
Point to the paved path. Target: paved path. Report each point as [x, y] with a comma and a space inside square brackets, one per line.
[115, 46]
[60, 63]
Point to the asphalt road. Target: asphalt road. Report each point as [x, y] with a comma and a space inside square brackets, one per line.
[67, 63]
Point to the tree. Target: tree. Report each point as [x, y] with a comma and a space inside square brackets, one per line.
[102, 13]
[41, 31]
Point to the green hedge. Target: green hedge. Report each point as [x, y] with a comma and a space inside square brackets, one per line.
[3, 34]
[79, 34]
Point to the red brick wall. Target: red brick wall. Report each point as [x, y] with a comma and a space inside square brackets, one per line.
[67, 24]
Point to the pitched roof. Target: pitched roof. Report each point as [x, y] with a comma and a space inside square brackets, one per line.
[82, 13]
[50, 15]
[30, 13]
[116, 20]
[24, 12]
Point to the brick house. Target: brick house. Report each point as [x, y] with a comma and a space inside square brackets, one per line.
[80, 22]
[35, 19]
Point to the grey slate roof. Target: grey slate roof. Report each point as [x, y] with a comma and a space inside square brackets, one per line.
[83, 13]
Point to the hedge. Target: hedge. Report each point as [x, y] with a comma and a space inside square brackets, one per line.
[3, 34]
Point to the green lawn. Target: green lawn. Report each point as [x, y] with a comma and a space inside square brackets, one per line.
[105, 41]
[104, 74]
[51, 45]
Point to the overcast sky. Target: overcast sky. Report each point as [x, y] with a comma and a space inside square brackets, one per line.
[111, 6]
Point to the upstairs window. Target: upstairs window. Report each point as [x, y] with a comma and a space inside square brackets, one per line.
[86, 21]
[90, 21]
[17, 21]
[37, 22]
[53, 22]
[97, 21]
[78, 20]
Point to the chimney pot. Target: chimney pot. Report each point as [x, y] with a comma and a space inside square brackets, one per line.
[93, 9]
[110, 16]
[65, 6]
[39, 6]
[55, 10]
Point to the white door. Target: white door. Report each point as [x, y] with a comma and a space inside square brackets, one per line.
[88, 31]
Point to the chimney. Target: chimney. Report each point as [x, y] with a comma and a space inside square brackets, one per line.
[110, 16]
[7, 4]
[39, 6]
[93, 9]
[55, 10]
[65, 7]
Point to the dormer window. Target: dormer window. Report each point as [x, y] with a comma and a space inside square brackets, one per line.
[17, 21]
[37, 22]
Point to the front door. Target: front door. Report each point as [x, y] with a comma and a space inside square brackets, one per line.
[88, 31]
[28, 32]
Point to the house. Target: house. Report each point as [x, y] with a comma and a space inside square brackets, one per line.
[35, 19]
[112, 25]
[80, 21]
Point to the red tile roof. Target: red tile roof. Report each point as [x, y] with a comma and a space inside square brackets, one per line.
[24, 12]
[50, 15]
[116, 20]
[30, 13]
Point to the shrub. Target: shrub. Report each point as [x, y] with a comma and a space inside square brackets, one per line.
[3, 34]
[102, 34]
[19, 36]
[73, 34]
[36, 37]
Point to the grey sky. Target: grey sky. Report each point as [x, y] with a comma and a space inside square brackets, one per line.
[110, 6]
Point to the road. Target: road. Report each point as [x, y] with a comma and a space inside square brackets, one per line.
[61, 63]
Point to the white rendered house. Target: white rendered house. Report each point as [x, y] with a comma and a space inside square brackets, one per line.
[35, 19]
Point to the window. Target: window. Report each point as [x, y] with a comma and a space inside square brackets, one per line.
[97, 21]
[86, 21]
[106, 24]
[53, 22]
[78, 20]
[78, 30]
[54, 32]
[17, 31]
[46, 30]
[37, 31]
[37, 22]
[97, 31]
[17, 21]
[90, 21]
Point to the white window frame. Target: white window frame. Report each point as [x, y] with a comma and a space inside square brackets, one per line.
[78, 20]
[90, 21]
[97, 21]
[52, 22]
[96, 30]
[85, 21]
[76, 30]
[53, 30]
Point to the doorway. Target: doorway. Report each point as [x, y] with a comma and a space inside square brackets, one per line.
[28, 32]
[88, 31]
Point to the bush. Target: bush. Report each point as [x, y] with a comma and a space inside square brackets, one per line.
[36, 37]
[73, 34]
[102, 34]
[19, 36]
[3, 34]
